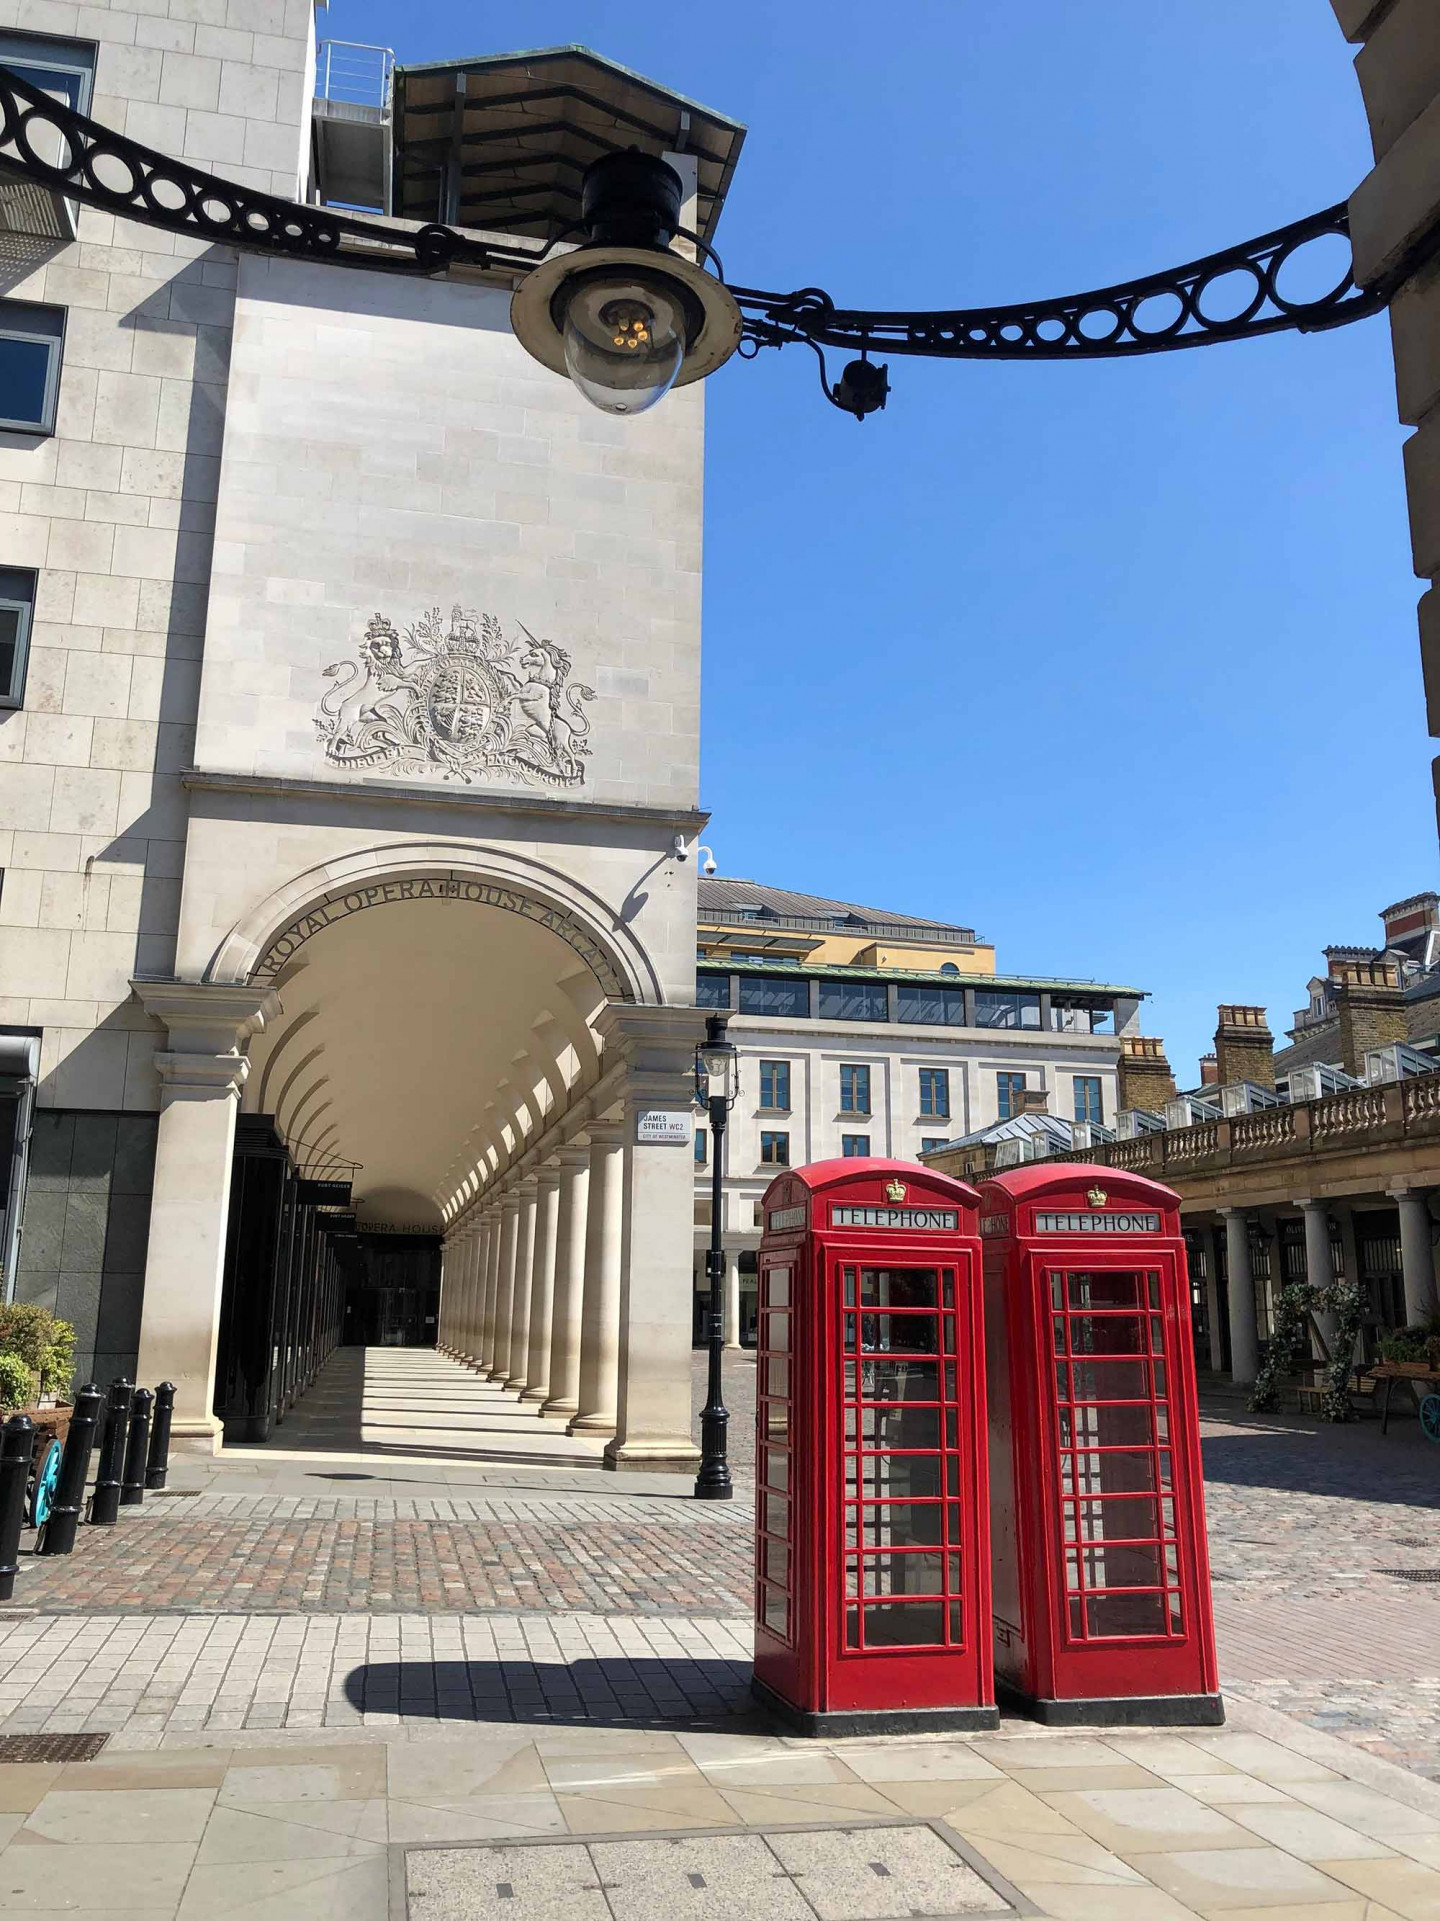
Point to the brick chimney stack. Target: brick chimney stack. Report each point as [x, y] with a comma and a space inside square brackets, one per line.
[1145, 1077]
[1244, 1047]
[1209, 1071]
[1032, 1100]
[1372, 1008]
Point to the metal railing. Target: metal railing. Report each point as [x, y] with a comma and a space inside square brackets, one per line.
[357, 75]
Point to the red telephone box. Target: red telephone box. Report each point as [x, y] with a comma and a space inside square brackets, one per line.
[1102, 1579]
[872, 1576]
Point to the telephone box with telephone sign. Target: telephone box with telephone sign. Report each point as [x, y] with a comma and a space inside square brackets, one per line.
[1102, 1578]
[872, 1578]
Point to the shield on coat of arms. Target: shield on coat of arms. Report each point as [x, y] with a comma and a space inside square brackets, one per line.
[462, 700]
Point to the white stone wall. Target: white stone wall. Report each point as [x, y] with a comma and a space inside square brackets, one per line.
[391, 448]
[116, 512]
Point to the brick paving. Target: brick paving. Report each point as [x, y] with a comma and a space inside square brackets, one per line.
[218, 1554]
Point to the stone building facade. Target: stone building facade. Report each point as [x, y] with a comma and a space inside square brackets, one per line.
[345, 782]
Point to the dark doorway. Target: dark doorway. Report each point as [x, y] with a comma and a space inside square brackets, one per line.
[393, 1295]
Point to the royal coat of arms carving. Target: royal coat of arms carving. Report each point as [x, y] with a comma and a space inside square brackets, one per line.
[459, 700]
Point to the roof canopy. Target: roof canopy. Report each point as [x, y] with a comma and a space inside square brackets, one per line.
[519, 130]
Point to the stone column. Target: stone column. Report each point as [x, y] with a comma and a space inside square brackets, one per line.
[1417, 1254]
[542, 1285]
[447, 1292]
[565, 1323]
[479, 1286]
[600, 1312]
[1320, 1264]
[1244, 1336]
[732, 1297]
[653, 1420]
[478, 1260]
[485, 1360]
[1212, 1296]
[201, 1075]
[520, 1293]
[456, 1283]
[505, 1283]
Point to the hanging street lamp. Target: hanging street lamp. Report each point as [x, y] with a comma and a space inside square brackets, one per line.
[610, 302]
[717, 1088]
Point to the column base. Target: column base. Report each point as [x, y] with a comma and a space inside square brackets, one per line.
[202, 1437]
[566, 1410]
[592, 1424]
[532, 1395]
[513, 1383]
[679, 1456]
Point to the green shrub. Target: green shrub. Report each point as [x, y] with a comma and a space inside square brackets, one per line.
[1405, 1344]
[45, 1345]
[17, 1384]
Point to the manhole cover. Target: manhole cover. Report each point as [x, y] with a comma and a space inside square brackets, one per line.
[1411, 1573]
[881, 1871]
[50, 1747]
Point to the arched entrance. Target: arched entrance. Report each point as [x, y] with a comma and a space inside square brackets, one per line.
[450, 1052]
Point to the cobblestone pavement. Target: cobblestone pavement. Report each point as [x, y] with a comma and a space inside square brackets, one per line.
[263, 1553]
[1310, 1527]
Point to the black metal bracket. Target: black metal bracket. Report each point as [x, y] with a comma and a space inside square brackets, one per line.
[1236, 294]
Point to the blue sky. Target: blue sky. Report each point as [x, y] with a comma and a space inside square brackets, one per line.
[1114, 662]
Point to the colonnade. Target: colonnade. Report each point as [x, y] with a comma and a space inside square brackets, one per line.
[1417, 1257]
[565, 1279]
[530, 1290]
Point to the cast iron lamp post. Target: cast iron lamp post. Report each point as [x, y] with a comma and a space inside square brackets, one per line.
[717, 1085]
[627, 317]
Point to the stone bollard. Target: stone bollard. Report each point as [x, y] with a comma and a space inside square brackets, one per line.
[58, 1534]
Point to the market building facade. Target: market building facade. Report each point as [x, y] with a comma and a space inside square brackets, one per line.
[861, 1032]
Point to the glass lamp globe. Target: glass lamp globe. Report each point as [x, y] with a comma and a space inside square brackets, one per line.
[625, 332]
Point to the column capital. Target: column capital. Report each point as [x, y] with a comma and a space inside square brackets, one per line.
[1407, 1191]
[548, 1175]
[606, 1133]
[510, 1200]
[574, 1153]
[204, 1017]
[526, 1186]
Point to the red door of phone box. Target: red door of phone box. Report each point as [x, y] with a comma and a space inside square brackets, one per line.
[872, 1576]
[1097, 1510]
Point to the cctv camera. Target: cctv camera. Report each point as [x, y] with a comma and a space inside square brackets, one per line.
[678, 847]
[711, 866]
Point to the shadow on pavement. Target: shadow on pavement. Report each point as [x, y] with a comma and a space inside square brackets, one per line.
[636, 1692]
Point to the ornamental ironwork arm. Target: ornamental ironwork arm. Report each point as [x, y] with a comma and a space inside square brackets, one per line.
[45, 143]
[1185, 307]
[1237, 293]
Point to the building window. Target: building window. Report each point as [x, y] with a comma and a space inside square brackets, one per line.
[17, 603]
[712, 990]
[702, 1146]
[929, 1143]
[1087, 1098]
[1009, 1088]
[854, 1090]
[774, 1150]
[854, 1001]
[789, 999]
[30, 341]
[993, 1009]
[935, 1092]
[775, 1086]
[930, 1006]
[949, 967]
[855, 1147]
[64, 68]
